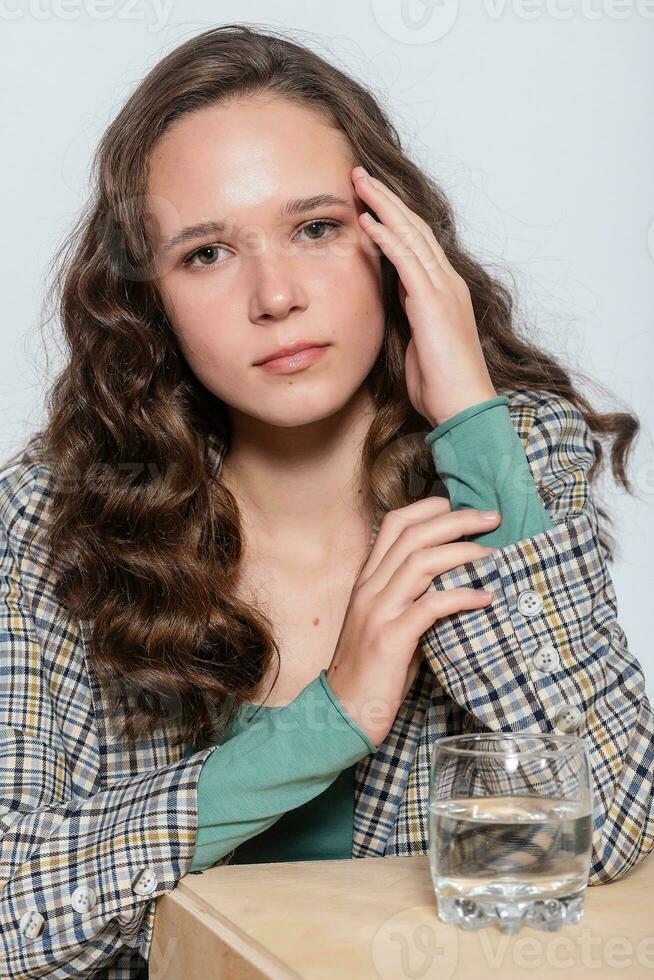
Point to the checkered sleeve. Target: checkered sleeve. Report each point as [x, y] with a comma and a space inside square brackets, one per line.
[548, 654]
[79, 873]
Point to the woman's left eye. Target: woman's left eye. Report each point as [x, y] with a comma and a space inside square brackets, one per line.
[320, 223]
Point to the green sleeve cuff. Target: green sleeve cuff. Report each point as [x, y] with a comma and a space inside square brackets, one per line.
[275, 763]
[481, 460]
[337, 704]
[463, 416]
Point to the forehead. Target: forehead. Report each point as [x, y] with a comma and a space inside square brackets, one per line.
[222, 161]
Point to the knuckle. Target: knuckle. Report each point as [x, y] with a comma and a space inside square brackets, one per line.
[415, 561]
[461, 284]
[390, 521]
[477, 550]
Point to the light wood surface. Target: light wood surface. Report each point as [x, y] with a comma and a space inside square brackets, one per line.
[377, 917]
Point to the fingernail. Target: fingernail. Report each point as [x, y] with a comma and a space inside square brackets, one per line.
[489, 515]
[361, 172]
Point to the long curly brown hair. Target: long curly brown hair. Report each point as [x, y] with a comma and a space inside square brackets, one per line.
[145, 540]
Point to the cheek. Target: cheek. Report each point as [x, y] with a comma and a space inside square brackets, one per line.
[190, 306]
[192, 313]
[213, 362]
[355, 299]
[350, 278]
[209, 350]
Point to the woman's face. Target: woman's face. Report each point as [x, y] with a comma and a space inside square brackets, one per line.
[267, 279]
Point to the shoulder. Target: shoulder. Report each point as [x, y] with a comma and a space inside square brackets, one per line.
[26, 485]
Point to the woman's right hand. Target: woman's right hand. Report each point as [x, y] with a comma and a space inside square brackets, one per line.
[391, 605]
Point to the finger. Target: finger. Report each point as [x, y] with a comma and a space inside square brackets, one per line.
[426, 229]
[414, 269]
[439, 529]
[405, 537]
[435, 605]
[392, 210]
[401, 581]
[409, 241]
[394, 521]
[377, 186]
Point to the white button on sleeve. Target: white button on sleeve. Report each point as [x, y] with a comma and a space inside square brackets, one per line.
[530, 603]
[31, 924]
[547, 658]
[83, 899]
[568, 717]
[145, 882]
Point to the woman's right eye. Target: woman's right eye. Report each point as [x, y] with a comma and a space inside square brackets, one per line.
[201, 252]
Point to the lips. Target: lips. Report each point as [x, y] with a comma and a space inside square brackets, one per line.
[303, 358]
[287, 351]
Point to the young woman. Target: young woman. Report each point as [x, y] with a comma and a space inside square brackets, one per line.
[245, 589]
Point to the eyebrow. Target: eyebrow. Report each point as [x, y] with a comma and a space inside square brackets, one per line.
[296, 206]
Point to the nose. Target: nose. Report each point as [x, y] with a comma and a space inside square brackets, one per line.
[277, 289]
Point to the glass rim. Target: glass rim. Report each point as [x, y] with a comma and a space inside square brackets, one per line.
[563, 742]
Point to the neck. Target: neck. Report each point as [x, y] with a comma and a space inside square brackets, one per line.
[299, 489]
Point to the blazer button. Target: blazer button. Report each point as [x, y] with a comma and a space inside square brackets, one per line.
[145, 882]
[530, 603]
[568, 717]
[546, 658]
[31, 924]
[83, 899]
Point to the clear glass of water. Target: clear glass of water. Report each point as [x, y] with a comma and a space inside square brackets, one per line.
[510, 823]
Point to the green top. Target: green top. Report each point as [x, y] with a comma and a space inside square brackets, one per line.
[293, 798]
[285, 758]
[321, 828]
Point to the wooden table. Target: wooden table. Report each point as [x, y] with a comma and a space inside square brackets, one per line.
[376, 917]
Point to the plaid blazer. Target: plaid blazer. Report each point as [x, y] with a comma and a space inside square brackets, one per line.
[94, 831]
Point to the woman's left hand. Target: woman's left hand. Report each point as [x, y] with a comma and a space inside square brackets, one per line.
[444, 365]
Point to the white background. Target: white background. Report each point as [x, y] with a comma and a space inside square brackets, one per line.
[536, 117]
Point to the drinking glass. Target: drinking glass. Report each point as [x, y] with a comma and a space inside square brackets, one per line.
[510, 824]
